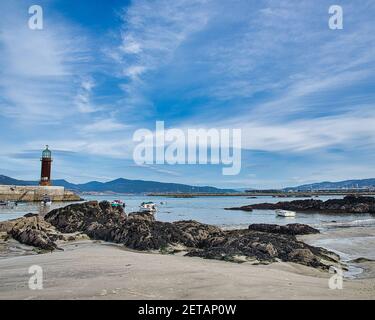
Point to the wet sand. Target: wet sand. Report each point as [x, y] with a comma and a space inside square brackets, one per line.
[351, 244]
[93, 270]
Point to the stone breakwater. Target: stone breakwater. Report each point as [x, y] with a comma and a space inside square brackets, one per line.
[349, 204]
[36, 193]
[259, 244]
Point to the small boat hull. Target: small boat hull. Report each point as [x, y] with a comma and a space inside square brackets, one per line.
[148, 207]
[47, 201]
[285, 213]
[118, 203]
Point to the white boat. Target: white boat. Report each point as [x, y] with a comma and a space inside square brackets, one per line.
[285, 213]
[149, 207]
[46, 201]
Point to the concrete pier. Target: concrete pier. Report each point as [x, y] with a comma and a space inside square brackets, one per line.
[36, 193]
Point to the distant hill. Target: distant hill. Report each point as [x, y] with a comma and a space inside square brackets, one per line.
[347, 184]
[123, 186]
[4, 180]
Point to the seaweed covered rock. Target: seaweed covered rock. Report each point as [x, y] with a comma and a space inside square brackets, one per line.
[33, 230]
[137, 230]
[263, 247]
[349, 204]
[247, 208]
[80, 216]
[291, 229]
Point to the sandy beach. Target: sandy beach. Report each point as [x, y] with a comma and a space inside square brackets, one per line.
[97, 270]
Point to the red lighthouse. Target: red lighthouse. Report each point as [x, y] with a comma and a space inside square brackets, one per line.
[45, 177]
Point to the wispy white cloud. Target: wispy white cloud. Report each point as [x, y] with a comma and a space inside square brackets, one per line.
[38, 67]
[82, 99]
[152, 32]
[103, 125]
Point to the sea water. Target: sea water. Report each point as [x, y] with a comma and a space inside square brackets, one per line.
[210, 210]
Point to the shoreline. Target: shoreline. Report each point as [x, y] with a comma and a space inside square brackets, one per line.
[346, 242]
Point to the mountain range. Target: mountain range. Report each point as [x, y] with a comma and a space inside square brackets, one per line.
[140, 186]
[327, 185]
[121, 186]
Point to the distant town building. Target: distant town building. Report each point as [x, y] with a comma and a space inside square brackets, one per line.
[45, 177]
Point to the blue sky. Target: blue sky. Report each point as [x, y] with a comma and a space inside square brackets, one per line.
[302, 94]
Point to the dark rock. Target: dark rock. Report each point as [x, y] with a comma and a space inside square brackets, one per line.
[196, 232]
[79, 217]
[141, 216]
[152, 235]
[32, 237]
[137, 231]
[244, 208]
[34, 231]
[291, 229]
[141, 232]
[261, 247]
[349, 204]
[361, 260]
[29, 215]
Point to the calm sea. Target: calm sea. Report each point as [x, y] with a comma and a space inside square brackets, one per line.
[210, 210]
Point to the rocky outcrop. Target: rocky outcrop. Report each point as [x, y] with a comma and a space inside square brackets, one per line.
[140, 231]
[291, 229]
[243, 208]
[349, 204]
[263, 248]
[137, 231]
[32, 230]
[80, 216]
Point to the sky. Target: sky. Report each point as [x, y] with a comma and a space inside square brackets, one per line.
[302, 94]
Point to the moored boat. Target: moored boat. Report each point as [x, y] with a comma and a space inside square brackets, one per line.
[285, 213]
[118, 203]
[46, 201]
[148, 207]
